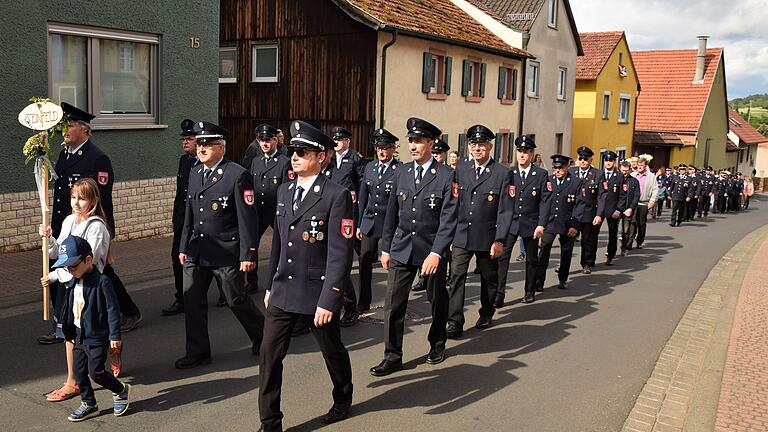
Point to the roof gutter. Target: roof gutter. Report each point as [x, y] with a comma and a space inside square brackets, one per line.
[384, 73]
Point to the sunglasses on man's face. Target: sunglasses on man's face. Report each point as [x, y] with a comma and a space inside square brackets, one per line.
[299, 152]
[583, 158]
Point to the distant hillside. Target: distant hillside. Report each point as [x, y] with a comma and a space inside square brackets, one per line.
[758, 101]
[758, 115]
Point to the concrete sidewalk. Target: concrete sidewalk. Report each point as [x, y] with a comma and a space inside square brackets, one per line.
[713, 372]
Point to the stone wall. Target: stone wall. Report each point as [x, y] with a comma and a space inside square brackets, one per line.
[142, 209]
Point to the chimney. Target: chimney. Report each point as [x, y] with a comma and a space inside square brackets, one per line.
[701, 56]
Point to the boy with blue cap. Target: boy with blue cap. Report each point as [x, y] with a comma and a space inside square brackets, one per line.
[91, 318]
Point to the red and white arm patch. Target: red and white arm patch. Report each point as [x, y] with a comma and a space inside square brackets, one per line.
[347, 228]
[248, 196]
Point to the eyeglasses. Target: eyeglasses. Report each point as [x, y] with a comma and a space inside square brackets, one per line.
[479, 143]
[583, 158]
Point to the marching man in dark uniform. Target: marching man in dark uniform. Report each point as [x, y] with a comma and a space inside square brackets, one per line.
[611, 210]
[524, 214]
[680, 194]
[270, 170]
[186, 162]
[695, 186]
[481, 184]
[567, 200]
[630, 197]
[311, 256]
[720, 190]
[592, 219]
[219, 240]
[374, 198]
[706, 185]
[418, 230]
[255, 150]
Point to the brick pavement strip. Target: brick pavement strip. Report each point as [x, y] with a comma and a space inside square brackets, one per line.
[682, 392]
[744, 394]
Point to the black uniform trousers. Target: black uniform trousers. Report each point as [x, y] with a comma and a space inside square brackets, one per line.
[399, 280]
[589, 234]
[637, 225]
[613, 236]
[369, 253]
[252, 277]
[277, 339]
[679, 209]
[626, 231]
[531, 262]
[242, 302]
[704, 204]
[691, 209]
[545, 249]
[178, 269]
[659, 206]
[720, 203]
[88, 361]
[489, 280]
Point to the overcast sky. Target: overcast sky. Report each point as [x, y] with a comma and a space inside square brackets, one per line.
[739, 26]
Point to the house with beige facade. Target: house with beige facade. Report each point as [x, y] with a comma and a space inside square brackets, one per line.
[547, 30]
[367, 64]
[748, 144]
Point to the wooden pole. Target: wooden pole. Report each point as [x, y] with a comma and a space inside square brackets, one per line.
[46, 261]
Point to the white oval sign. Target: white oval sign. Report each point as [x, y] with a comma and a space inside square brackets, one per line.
[40, 116]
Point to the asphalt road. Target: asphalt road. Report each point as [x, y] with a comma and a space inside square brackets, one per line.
[572, 361]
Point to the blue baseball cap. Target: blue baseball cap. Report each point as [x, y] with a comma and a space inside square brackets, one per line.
[71, 251]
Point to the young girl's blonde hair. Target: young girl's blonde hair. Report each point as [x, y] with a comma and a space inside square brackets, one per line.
[86, 188]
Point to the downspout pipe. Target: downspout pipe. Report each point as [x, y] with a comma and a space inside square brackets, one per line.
[384, 74]
[523, 96]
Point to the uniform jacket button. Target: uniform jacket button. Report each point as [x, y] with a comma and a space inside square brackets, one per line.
[290, 277]
[322, 277]
[290, 244]
[290, 260]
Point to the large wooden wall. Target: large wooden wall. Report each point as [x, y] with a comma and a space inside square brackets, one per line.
[326, 70]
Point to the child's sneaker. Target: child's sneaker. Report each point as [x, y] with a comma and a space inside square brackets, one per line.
[120, 400]
[83, 412]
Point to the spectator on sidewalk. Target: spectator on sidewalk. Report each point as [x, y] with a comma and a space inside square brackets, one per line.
[648, 195]
[661, 184]
[91, 318]
[88, 222]
[749, 190]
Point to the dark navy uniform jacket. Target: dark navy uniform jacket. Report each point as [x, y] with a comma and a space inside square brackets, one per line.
[566, 204]
[594, 193]
[374, 197]
[267, 177]
[351, 172]
[630, 193]
[681, 188]
[525, 204]
[91, 162]
[721, 186]
[254, 151]
[706, 184]
[612, 187]
[479, 204]
[221, 222]
[311, 248]
[420, 218]
[186, 162]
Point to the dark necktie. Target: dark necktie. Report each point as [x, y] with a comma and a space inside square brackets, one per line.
[419, 172]
[382, 167]
[479, 171]
[266, 161]
[297, 198]
[206, 175]
[522, 175]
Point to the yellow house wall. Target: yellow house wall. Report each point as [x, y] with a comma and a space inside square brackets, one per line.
[590, 129]
[714, 126]
[403, 97]
[682, 155]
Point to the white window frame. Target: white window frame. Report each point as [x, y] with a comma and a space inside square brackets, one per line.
[226, 80]
[607, 105]
[562, 83]
[621, 153]
[94, 35]
[624, 97]
[270, 79]
[536, 77]
[552, 13]
[435, 64]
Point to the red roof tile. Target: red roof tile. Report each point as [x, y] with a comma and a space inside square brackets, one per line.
[439, 18]
[598, 47]
[746, 133]
[669, 100]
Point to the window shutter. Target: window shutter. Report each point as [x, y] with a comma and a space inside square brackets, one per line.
[511, 150]
[497, 147]
[448, 66]
[462, 147]
[514, 84]
[466, 85]
[482, 79]
[445, 138]
[502, 83]
[426, 72]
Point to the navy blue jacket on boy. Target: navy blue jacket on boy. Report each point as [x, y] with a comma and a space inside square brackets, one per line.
[100, 318]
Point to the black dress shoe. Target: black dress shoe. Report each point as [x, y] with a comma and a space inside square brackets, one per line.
[436, 355]
[672, 224]
[387, 367]
[363, 308]
[498, 302]
[562, 285]
[609, 262]
[222, 302]
[529, 297]
[539, 287]
[335, 415]
[639, 246]
[587, 270]
[453, 330]
[349, 318]
[483, 322]
[175, 308]
[190, 362]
